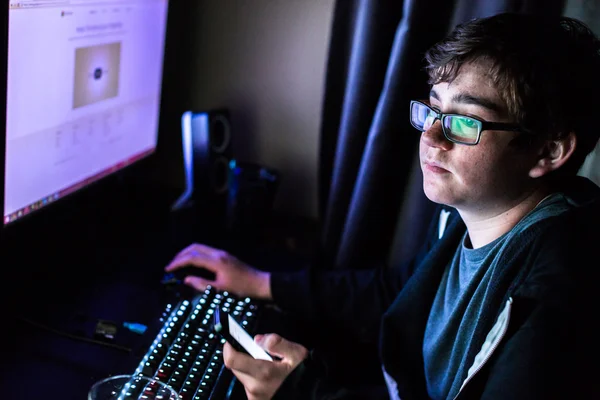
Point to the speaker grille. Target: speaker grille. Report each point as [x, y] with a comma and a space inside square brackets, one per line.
[220, 133]
[219, 175]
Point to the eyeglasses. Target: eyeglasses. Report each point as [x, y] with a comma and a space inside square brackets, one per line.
[457, 128]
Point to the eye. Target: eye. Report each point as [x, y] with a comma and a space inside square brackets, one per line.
[469, 123]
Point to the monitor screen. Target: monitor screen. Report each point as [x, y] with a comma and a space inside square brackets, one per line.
[83, 94]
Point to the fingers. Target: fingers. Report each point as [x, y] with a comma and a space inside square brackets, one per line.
[251, 385]
[289, 352]
[194, 248]
[239, 361]
[200, 256]
[198, 283]
[261, 379]
[203, 248]
[180, 262]
[226, 272]
[191, 257]
[200, 249]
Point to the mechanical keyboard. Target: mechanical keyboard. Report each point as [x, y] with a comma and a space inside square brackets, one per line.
[186, 354]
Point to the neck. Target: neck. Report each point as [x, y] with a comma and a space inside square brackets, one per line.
[485, 227]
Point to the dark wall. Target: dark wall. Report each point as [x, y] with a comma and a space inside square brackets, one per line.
[265, 61]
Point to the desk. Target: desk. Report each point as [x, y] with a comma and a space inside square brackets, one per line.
[48, 366]
[107, 266]
[113, 282]
[68, 270]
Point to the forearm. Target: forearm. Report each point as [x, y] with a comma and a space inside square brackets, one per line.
[353, 300]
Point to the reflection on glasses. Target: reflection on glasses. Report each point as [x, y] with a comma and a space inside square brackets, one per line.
[457, 128]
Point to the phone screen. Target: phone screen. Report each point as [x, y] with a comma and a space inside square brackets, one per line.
[246, 341]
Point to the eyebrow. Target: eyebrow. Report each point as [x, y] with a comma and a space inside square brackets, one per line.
[466, 98]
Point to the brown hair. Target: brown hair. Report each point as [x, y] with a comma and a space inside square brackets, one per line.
[546, 70]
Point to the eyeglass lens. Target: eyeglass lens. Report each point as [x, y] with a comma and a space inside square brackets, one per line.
[458, 128]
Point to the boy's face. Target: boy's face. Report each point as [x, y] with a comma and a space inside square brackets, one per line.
[487, 178]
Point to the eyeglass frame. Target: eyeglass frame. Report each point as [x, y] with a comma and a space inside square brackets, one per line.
[485, 125]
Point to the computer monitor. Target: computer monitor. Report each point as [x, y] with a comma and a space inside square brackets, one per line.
[83, 95]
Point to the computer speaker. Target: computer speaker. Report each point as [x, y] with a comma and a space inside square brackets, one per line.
[207, 151]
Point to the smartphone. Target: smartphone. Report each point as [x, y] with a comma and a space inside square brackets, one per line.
[237, 336]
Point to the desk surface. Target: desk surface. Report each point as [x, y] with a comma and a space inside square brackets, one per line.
[106, 265]
[46, 365]
[68, 271]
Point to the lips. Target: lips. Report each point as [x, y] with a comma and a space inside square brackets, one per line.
[435, 167]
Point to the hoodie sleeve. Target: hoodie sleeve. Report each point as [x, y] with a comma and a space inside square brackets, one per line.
[354, 300]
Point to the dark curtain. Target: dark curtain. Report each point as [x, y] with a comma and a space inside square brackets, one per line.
[371, 203]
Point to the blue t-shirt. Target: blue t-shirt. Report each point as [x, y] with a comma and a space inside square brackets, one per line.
[459, 299]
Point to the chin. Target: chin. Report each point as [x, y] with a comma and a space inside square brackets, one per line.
[432, 194]
[437, 196]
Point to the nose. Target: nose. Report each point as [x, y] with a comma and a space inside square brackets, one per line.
[434, 137]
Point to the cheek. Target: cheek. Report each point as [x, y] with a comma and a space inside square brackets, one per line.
[422, 148]
[486, 172]
[477, 169]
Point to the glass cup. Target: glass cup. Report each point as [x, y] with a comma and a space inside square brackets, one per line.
[129, 387]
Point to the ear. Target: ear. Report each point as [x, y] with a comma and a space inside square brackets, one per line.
[553, 155]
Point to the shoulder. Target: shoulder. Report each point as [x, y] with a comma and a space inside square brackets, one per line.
[558, 254]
